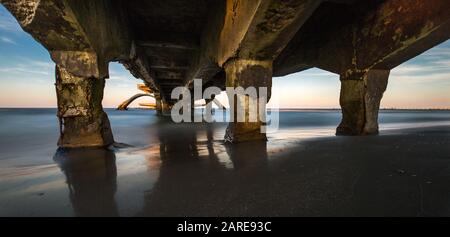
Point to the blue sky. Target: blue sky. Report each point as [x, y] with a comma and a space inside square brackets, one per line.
[27, 78]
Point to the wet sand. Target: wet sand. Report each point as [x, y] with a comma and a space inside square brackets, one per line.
[179, 170]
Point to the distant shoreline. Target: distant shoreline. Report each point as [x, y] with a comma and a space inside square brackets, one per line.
[383, 109]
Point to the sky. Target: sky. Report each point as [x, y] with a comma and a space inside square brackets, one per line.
[27, 79]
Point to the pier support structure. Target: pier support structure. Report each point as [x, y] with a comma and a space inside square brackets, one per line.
[247, 110]
[237, 43]
[83, 123]
[373, 38]
[166, 107]
[360, 101]
[158, 102]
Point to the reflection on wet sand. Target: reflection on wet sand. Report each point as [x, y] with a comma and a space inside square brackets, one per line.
[91, 178]
[323, 177]
[190, 172]
[195, 178]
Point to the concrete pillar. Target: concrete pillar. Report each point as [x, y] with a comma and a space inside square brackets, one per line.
[247, 74]
[166, 107]
[158, 103]
[83, 123]
[360, 101]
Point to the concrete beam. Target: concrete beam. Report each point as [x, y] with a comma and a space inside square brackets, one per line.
[52, 23]
[258, 29]
[171, 67]
[139, 67]
[170, 74]
[369, 35]
[170, 45]
[261, 29]
[398, 31]
[106, 26]
[65, 29]
[171, 82]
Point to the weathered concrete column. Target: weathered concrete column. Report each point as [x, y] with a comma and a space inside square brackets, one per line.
[158, 103]
[166, 107]
[83, 123]
[360, 101]
[245, 125]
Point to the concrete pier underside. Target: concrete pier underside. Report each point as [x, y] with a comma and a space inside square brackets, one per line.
[170, 43]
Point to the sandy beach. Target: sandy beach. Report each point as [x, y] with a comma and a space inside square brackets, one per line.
[179, 170]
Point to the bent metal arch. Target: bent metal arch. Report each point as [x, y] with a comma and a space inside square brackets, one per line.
[124, 105]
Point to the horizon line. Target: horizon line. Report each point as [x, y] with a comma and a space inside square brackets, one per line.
[287, 108]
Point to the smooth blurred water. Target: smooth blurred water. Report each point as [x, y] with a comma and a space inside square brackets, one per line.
[34, 132]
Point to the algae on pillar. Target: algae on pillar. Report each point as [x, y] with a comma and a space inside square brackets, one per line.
[361, 94]
[247, 74]
[83, 123]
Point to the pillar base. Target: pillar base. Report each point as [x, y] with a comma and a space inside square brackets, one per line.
[345, 130]
[78, 132]
[166, 108]
[244, 132]
[360, 102]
